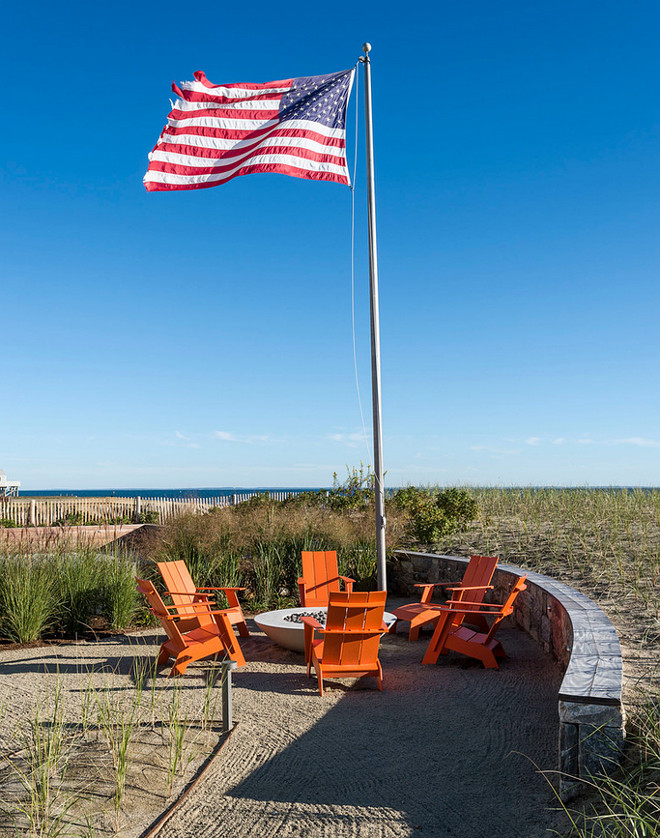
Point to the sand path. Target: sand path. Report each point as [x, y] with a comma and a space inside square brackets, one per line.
[442, 751]
[433, 754]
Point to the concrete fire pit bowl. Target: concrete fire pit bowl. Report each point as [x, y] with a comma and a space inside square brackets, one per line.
[285, 626]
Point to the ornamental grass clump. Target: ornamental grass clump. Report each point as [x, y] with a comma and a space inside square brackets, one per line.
[77, 578]
[29, 597]
[60, 593]
[118, 595]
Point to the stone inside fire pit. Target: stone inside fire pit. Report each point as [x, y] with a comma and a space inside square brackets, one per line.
[285, 627]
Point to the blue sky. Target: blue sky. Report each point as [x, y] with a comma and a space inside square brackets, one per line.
[204, 338]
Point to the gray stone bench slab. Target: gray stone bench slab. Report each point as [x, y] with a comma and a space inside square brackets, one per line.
[574, 630]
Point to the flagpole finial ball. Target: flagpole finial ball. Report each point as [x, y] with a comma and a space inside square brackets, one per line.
[366, 48]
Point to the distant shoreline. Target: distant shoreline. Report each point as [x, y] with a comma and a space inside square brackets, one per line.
[228, 491]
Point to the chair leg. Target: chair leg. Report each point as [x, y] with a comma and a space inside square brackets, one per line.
[163, 655]
[487, 658]
[243, 629]
[436, 645]
[319, 678]
[380, 677]
[180, 665]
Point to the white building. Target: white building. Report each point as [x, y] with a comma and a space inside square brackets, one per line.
[8, 487]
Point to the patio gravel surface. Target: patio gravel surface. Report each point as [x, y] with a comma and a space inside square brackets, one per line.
[445, 750]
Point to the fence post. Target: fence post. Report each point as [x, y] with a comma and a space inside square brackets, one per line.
[227, 715]
[138, 509]
[32, 519]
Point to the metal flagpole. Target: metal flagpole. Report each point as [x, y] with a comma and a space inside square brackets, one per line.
[375, 331]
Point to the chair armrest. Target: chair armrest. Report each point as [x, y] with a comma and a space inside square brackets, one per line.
[185, 608]
[459, 602]
[226, 588]
[472, 588]
[347, 579]
[357, 631]
[431, 584]
[427, 593]
[455, 609]
[302, 590]
[311, 622]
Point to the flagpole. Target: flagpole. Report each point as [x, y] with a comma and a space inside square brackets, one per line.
[375, 331]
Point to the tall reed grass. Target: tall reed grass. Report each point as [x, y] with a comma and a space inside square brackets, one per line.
[29, 598]
[59, 592]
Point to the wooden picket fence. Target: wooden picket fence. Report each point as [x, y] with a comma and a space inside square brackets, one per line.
[48, 512]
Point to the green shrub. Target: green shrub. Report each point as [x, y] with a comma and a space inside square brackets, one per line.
[7, 522]
[151, 517]
[71, 519]
[259, 501]
[458, 504]
[311, 498]
[433, 514]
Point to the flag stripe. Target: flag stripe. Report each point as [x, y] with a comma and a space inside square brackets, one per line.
[188, 165]
[217, 132]
[182, 143]
[220, 122]
[205, 155]
[156, 179]
[302, 162]
[191, 124]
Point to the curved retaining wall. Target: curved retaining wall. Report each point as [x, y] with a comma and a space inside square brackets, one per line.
[573, 629]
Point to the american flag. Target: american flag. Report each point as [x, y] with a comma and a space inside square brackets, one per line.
[216, 132]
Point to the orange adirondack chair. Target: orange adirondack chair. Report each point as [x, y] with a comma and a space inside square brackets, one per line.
[320, 578]
[212, 635]
[451, 635]
[476, 581]
[349, 646]
[181, 588]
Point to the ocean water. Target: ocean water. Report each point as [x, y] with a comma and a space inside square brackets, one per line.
[180, 494]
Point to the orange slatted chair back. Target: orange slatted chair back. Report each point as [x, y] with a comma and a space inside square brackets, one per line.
[479, 571]
[181, 590]
[350, 616]
[321, 575]
[507, 608]
[158, 607]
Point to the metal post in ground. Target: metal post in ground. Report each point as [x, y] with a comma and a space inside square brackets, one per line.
[375, 330]
[227, 714]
